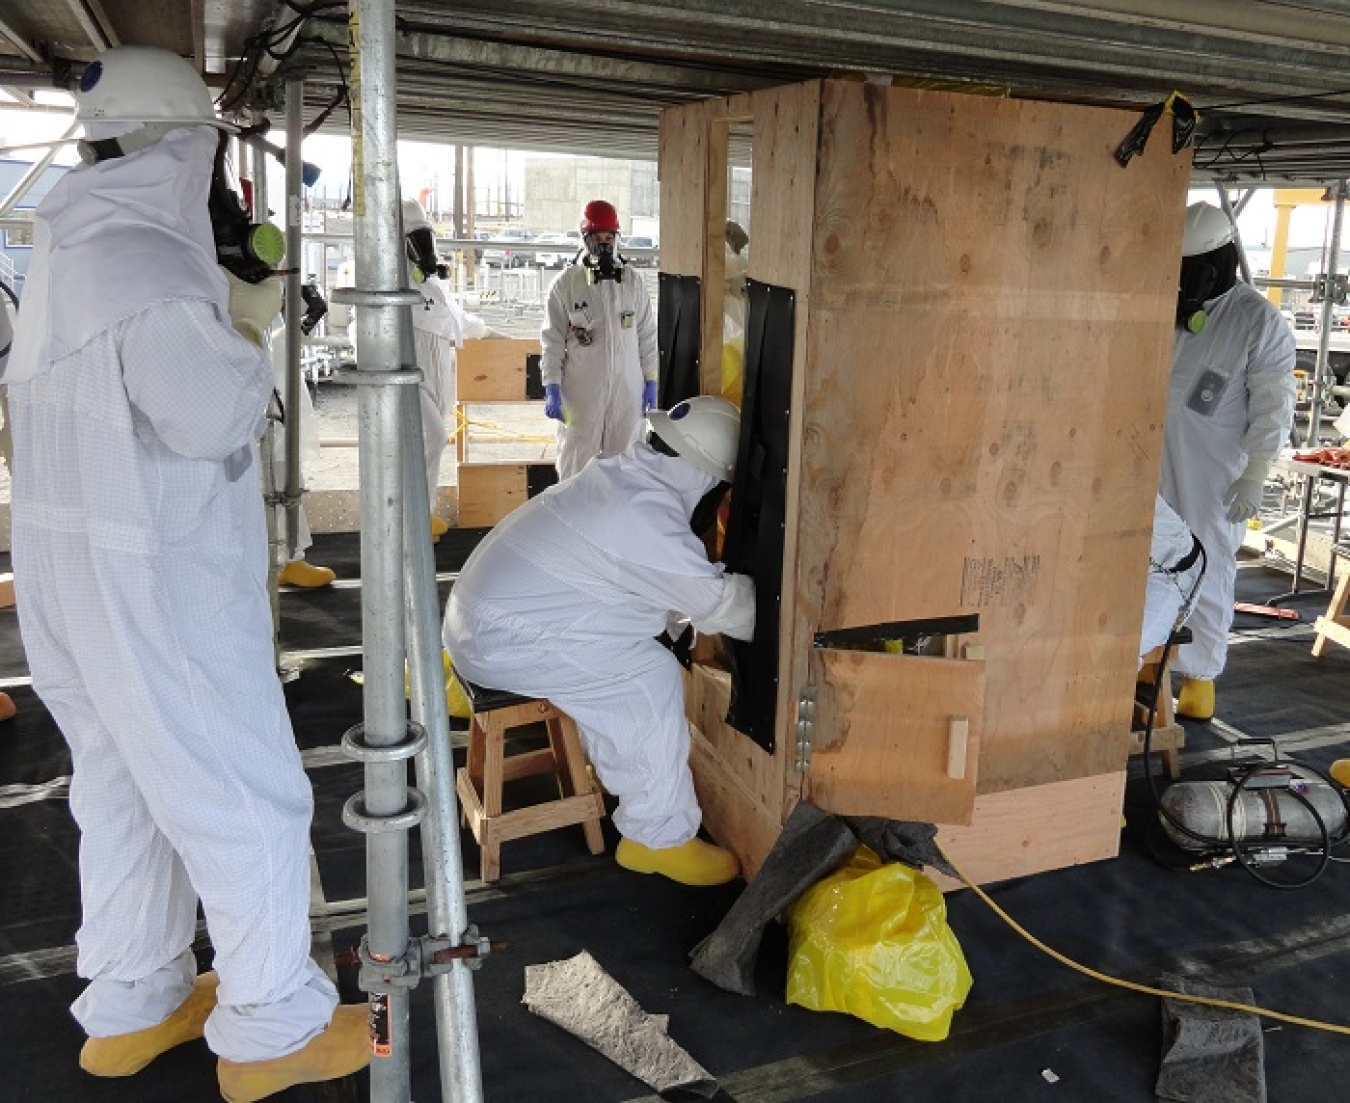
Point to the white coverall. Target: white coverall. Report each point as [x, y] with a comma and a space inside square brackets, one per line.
[563, 601]
[438, 329]
[1167, 587]
[601, 381]
[140, 559]
[1230, 398]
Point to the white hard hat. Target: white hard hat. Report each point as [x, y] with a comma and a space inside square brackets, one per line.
[1206, 229]
[704, 430]
[143, 84]
[414, 216]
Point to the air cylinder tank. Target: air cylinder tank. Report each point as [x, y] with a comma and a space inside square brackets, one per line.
[1202, 806]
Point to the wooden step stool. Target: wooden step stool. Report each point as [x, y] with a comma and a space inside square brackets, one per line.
[488, 768]
[1168, 736]
[1334, 624]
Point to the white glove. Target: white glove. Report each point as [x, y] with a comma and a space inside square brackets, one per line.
[735, 613]
[254, 306]
[1243, 500]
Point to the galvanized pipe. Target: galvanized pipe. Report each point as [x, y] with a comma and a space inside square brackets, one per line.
[295, 309]
[379, 268]
[447, 910]
[1227, 205]
[1322, 373]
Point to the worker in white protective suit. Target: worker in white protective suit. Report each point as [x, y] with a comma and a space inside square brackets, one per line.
[564, 599]
[438, 330]
[140, 555]
[1176, 563]
[1230, 407]
[254, 310]
[599, 360]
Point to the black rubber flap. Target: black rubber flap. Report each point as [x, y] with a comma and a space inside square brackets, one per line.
[754, 538]
[678, 337]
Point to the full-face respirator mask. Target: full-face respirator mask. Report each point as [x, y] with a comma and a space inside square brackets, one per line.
[1204, 277]
[602, 261]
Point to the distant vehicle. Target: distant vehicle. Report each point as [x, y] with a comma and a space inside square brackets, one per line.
[499, 257]
[633, 243]
[567, 247]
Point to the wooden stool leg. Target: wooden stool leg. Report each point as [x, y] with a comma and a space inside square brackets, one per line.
[574, 774]
[494, 750]
[1335, 611]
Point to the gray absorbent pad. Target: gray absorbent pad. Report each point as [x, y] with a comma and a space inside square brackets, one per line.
[579, 996]
[1210, 1054]
[812, 845]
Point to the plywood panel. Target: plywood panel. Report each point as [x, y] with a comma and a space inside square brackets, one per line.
[489, 493]
[682, 168]
[492, 370]
[990, 330]
[783, 183]
[731, 814]
[1026, 831]
[759, 774]
[885, 728]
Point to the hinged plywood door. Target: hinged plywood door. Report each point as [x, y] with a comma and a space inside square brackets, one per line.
[896, 736]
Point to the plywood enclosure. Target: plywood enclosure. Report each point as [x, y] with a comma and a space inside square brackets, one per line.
[983, 328]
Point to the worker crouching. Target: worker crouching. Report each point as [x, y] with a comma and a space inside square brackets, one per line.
[564, 601]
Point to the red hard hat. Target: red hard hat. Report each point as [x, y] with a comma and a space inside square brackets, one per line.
[599, 217]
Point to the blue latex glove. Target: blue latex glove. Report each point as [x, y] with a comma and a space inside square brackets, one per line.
[649, 395]
[553, 401]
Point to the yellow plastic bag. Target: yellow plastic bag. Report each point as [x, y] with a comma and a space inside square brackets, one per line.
[872, 940]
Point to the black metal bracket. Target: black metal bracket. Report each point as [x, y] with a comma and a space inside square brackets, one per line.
[899, 629]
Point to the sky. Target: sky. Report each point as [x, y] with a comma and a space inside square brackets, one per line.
[430, 166]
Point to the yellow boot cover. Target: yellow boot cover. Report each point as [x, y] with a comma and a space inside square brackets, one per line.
[456, 704]
[305, 575]
[691, 863]
[125, 1054]
[342, 1049]
[438, 528]
[1340, 770]
[1196, 699]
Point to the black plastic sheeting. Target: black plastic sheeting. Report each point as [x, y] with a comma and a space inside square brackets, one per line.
[678, 337]
[755, 523]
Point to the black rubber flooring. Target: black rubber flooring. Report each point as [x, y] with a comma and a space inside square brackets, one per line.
[1032, 1028]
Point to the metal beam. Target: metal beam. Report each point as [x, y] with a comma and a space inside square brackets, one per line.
[33, 175]
[94, 22]
[19, 41]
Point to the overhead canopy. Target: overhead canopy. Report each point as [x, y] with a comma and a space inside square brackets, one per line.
[591, 76]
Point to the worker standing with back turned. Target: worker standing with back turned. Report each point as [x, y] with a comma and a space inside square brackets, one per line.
[1230, 407]
[599, 362]
[141, 558]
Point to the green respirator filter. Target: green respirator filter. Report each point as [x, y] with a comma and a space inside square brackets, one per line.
[267, 243]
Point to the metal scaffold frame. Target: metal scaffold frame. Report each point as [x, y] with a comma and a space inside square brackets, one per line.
[399, 616]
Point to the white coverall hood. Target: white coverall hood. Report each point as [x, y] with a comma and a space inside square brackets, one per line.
[133, 231]
[614, 503]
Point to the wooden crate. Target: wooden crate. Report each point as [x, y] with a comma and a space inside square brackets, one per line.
[490, 371]
[983, 327]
